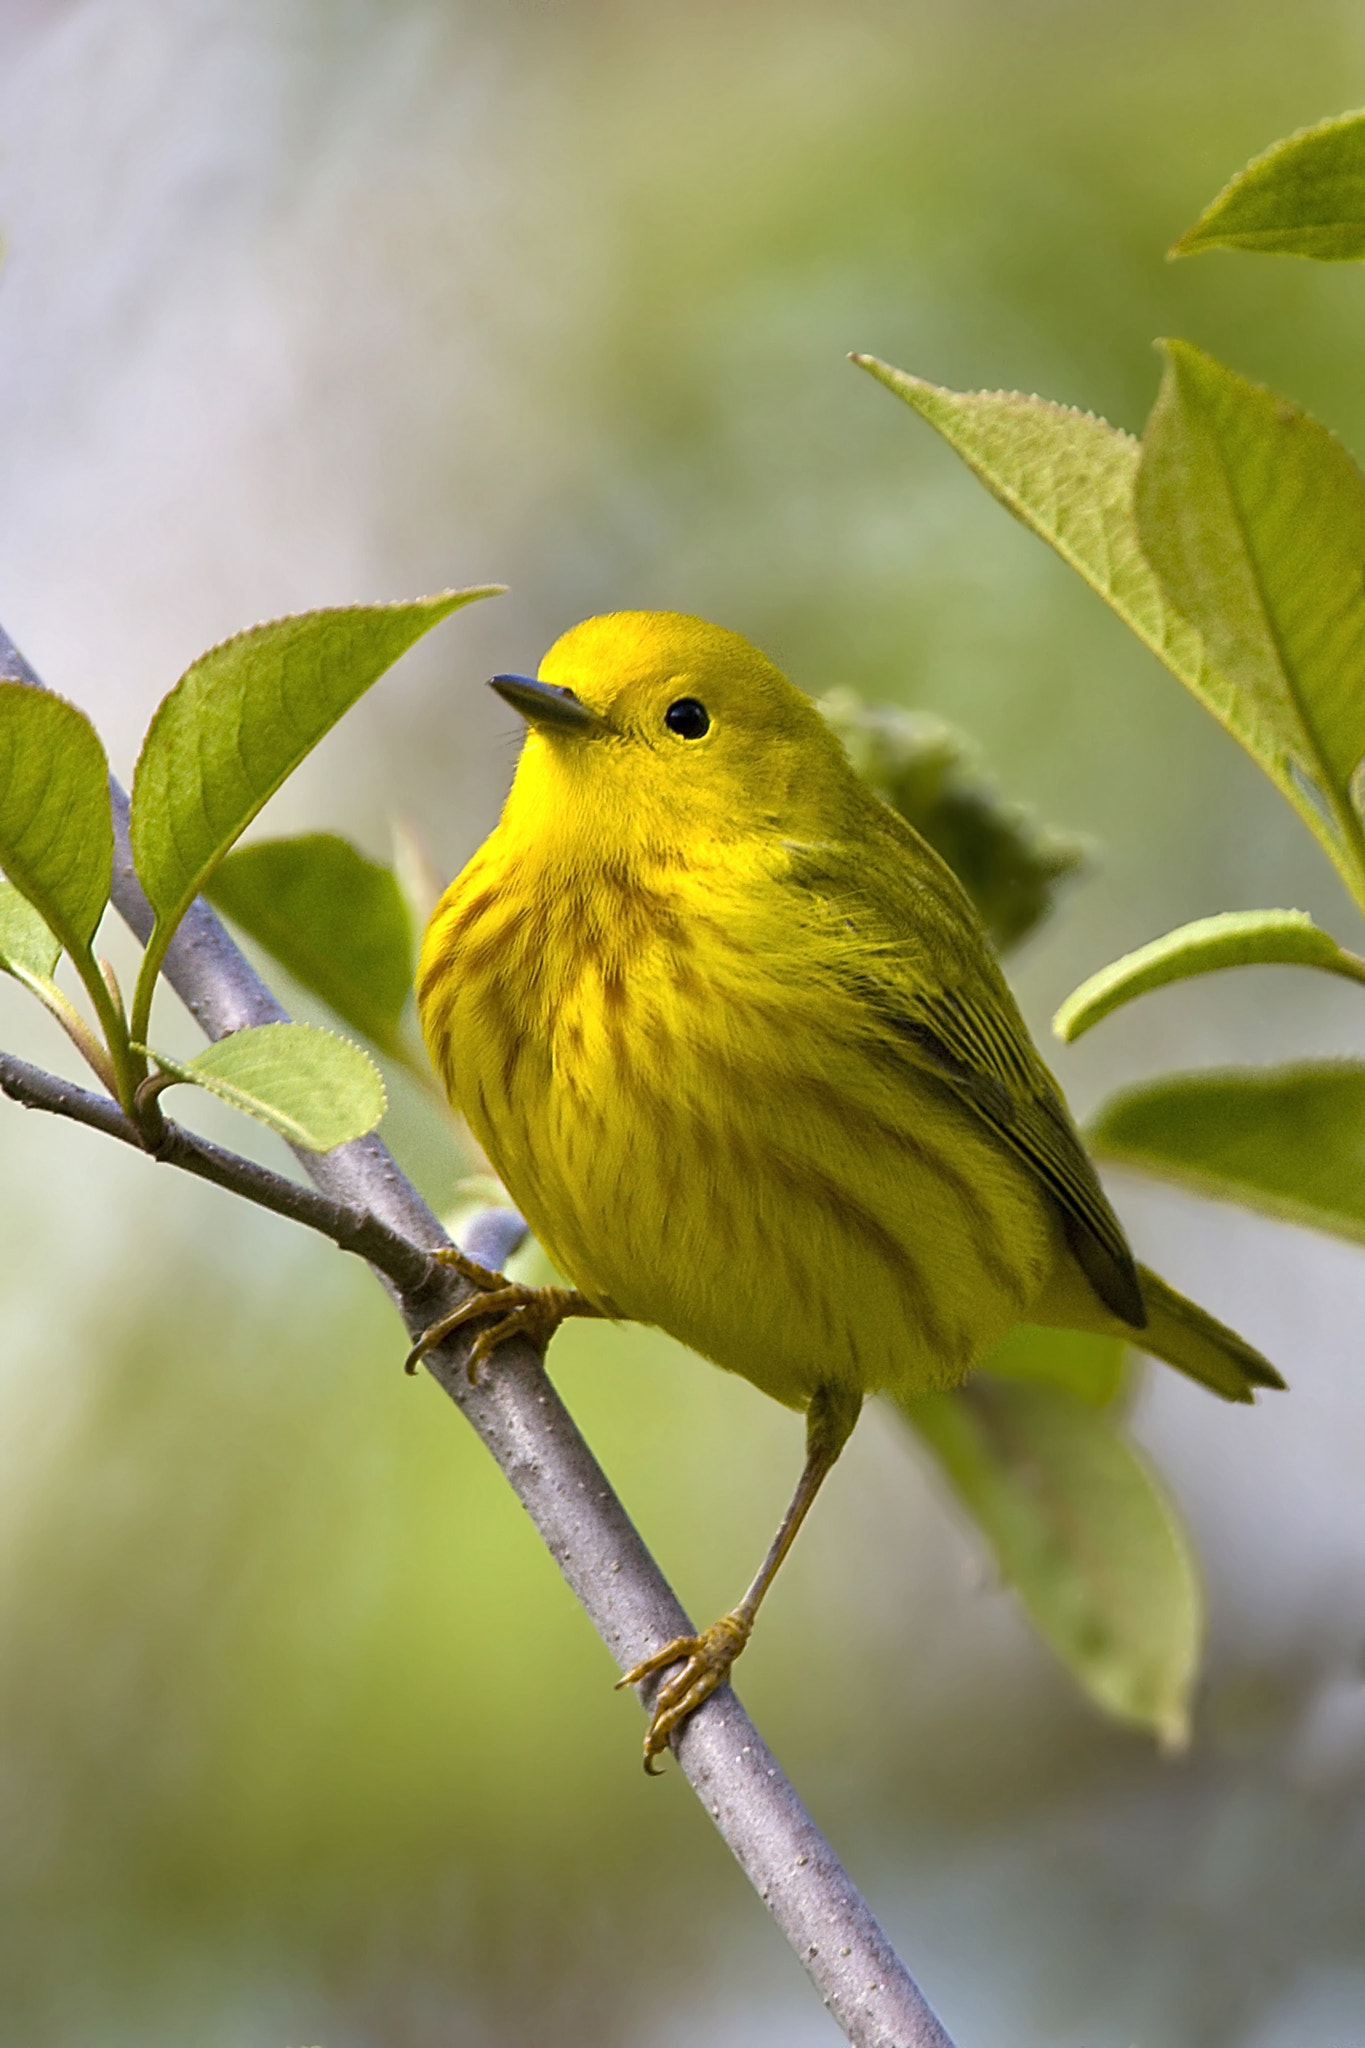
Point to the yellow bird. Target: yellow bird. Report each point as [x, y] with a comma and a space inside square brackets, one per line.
[734, 1039]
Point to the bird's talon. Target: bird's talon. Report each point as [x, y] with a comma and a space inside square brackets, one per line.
[705, 1659]
[534, 1313]
[483, 1277]
[672, 1653]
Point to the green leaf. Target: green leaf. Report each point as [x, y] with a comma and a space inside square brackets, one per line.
[1082, 1530]
[1287, 1141]
[28, 950]
[1304, 196]
[1009, 863]
[235, 725]
[1069, 478]
[315, 1089]
[56, 830]
[336, 921]
[1088, 1367]
[1253, 516]
[1235, 938]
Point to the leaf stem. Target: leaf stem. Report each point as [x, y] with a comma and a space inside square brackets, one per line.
[128, 1070]
[1348, 964]
[73, 1024]
[152, 959]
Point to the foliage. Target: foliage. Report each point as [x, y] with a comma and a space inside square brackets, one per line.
[1010, 863]
[334, 920]
[1304, 197]
[317, 1091]
[1253, 517]
[1080, 1526]
[237, 723]
[1230, 540]
[1289, 1141]
[240, 719]
[1233, 938]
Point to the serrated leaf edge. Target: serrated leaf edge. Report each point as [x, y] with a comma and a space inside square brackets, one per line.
[253, 1106]
[1189, 243]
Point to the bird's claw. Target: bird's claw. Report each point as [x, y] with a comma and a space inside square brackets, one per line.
[531, 1312]
[705, 1662]
[486, 1278]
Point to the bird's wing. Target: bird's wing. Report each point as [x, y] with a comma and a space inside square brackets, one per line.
[1015, 1097]
[921, 966]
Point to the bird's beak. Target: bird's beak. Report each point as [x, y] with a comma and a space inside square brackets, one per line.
[547, 705]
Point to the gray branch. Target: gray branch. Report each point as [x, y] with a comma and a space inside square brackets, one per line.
[364, 1203]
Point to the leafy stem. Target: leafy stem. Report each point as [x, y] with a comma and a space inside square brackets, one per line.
[123, 1069]
[74, 1025]
[145, 989]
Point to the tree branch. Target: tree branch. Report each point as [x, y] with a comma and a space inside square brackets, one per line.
[368, 1205]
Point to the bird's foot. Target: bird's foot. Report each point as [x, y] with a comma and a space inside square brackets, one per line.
[516, 1311]
[705, 1661]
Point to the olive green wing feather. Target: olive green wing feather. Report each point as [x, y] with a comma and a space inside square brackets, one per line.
[917, 959]
[968, 1046]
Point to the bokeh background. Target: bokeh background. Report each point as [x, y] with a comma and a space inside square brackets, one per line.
[301, 1738]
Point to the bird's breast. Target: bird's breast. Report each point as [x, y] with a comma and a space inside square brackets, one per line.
[686, 1107]
[558, 1009]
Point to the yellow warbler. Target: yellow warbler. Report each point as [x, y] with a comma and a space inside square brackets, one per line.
[735, 1040]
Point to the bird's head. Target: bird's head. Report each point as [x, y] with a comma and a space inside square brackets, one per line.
[654, 728]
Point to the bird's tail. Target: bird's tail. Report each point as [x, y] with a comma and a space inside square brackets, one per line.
[1177, 1331]
[1194, 1342]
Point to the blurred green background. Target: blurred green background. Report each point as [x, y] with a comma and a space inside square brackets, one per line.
[301, 1738]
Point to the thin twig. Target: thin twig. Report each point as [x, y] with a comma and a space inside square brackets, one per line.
[537, 1445]
[354, 1230]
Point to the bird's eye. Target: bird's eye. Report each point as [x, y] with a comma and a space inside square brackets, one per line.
[687, 718]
